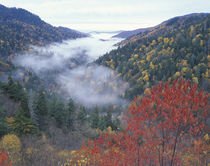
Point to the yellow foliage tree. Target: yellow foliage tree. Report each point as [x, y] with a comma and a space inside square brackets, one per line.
[148, 57]
[177, 74]
[191, 30]
[11, 143]
[154, 42]
[201, 43]
[166, 40]
[195, 80]
[160, 39]
[184, 70]
[135, 55]
[151, 65]
[184, 63]
[146, 77]
[171, 41]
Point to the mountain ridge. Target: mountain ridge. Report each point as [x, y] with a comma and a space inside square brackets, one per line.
[127, 34]
[168, 23]
[176, 48]
[20, 28]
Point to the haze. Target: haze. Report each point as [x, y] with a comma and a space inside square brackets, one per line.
[109, 15]
[66, 65]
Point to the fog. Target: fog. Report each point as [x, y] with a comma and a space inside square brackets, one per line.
[68, 66]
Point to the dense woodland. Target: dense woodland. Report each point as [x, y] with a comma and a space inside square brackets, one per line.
[165, 124]
[19, 28]
[177, 48]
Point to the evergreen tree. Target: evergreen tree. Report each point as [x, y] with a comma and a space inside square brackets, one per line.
[3, 123]
[102, 125]
[21, 124]
[70, 114]
[11, 88]
[94, 118]
[116, 124]
[24, 105]
[10, 80]
[60, 113]
[53, 105]
[40, 107]
[108, 118]
[82, 115]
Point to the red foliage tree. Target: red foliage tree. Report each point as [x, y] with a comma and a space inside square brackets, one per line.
[170, 117]
[158, 127]
[4, 159]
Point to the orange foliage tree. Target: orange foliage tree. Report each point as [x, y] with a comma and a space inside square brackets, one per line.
[159, 127]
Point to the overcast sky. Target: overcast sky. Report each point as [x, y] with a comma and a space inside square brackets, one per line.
[108, 15]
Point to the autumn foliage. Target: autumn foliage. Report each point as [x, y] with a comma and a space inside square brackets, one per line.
[161, 127]
[12, 145]
[4, 159]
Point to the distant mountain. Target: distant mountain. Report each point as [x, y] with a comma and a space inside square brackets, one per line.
[19, 28]
[177, 48]
[68, 30]
[172, 24]
[111, 32]
[127, 34]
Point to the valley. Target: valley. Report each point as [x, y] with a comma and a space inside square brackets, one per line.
[92, 98]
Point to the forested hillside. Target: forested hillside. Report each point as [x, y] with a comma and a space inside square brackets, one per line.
[37, 121]
[165, 124]
[177, 48]
[19, 28]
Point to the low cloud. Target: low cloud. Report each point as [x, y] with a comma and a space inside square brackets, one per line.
[93, 85]
[68, 66]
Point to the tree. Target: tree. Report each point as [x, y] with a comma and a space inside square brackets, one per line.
[20, 124]
[159, 127]
[53, 105]
[169, 116]
[108, 118]
[24, 106]
[11, 88]
[94, 118]
[12, 145]
[40, 107]
[82, 115]
[3, 123]
[60, 114]
[4, 159]
[70, 114]
[102, 125]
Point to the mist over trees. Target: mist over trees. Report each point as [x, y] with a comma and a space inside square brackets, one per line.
[143, 103]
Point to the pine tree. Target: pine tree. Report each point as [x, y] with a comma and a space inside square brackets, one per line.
[3, 123]
[21, 124]
[102, 125]
[70, 114]
[24, 105]
[94, 118]
[58, 110]
[40, 107]
[82, 115]
[11, 88]
[60, 113]
[108, 118]
[53, 105]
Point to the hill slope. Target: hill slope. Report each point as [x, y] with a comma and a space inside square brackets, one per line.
[177, 48]
[18, 28]
[127, 34]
